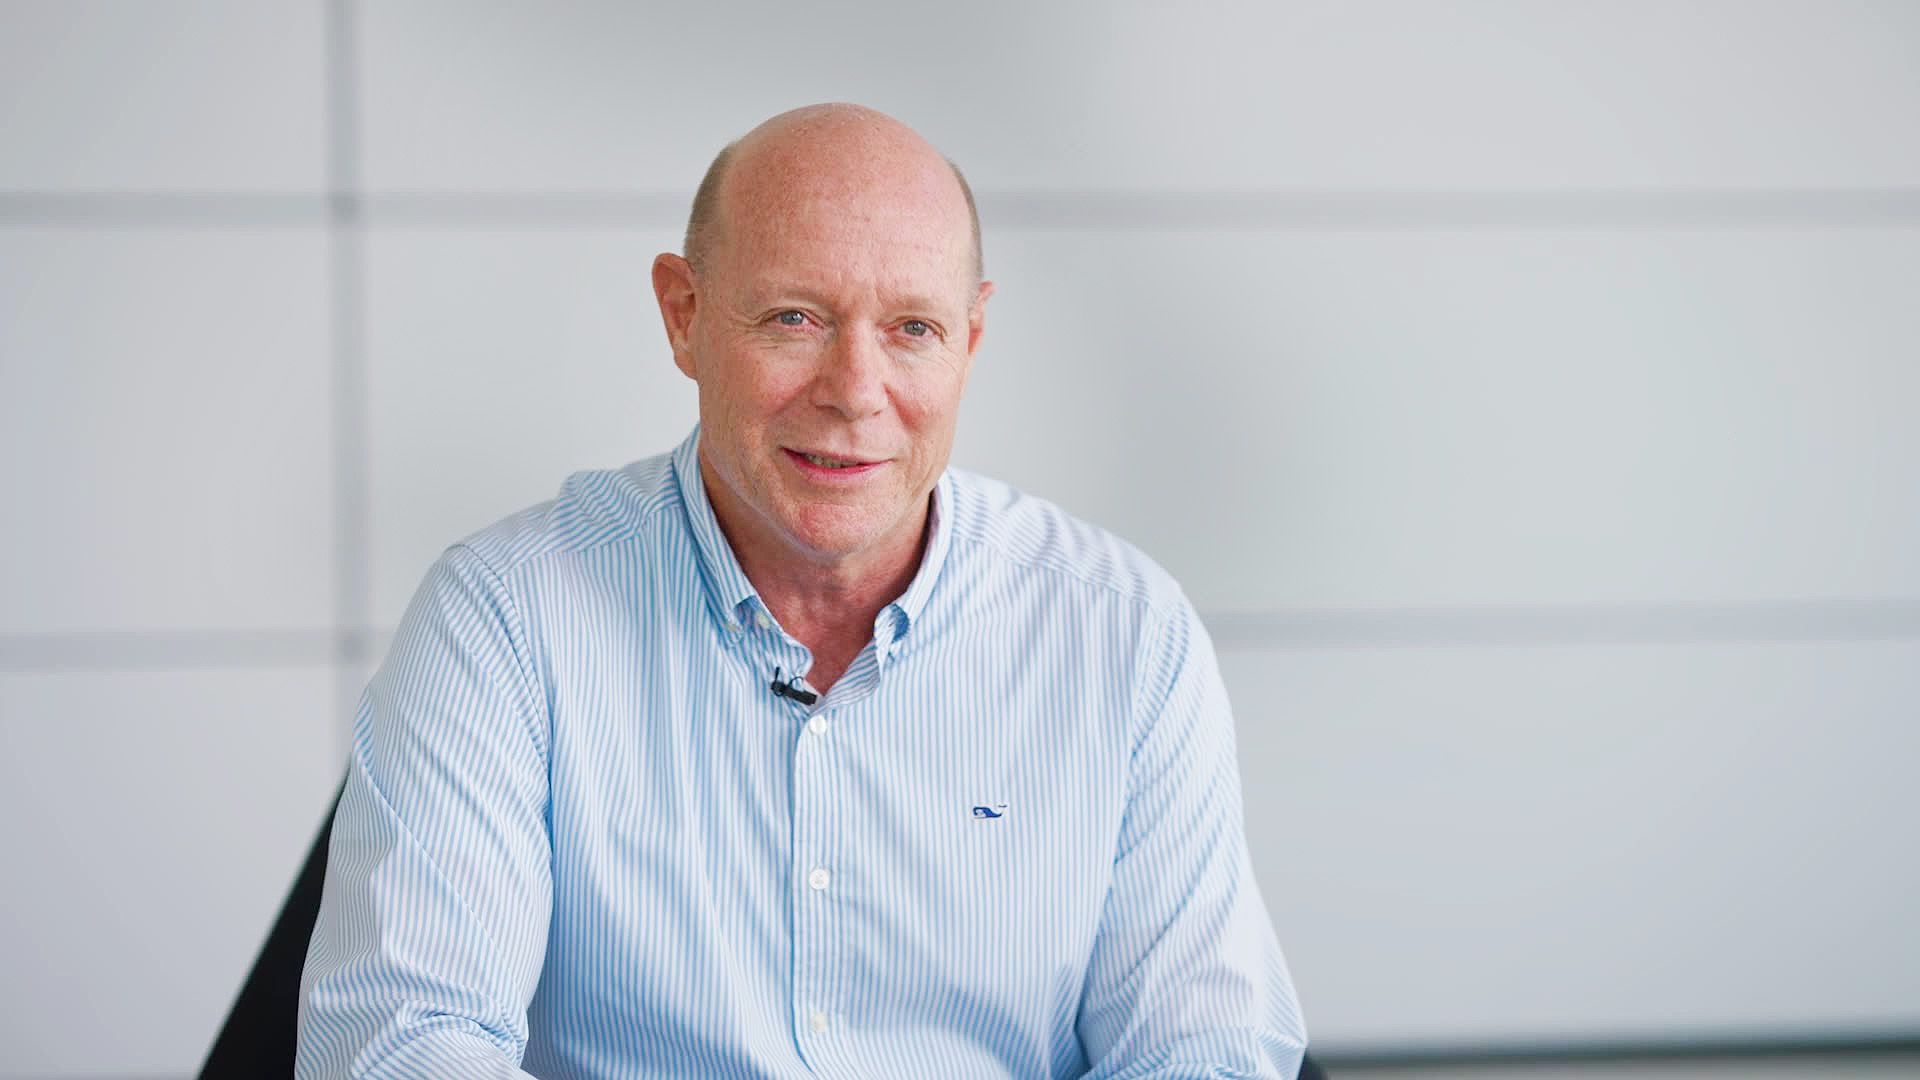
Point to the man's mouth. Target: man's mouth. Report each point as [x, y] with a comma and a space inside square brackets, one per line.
[827, 462]
[830, 461]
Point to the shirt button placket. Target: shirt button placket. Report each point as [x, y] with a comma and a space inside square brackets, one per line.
[815, 816]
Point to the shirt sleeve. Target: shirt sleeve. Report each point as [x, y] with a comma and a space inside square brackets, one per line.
[433, 921]
[1186, 978]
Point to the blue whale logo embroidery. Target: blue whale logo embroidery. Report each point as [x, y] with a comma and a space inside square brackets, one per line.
[989, 812]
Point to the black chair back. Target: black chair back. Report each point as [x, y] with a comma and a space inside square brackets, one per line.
[262, 1029]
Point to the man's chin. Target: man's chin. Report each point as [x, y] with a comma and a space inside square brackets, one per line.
[835, 534]
[833, 546]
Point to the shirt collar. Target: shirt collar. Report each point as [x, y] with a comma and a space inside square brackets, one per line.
[733, 598]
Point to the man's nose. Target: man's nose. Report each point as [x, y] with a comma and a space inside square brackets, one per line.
[853, 379]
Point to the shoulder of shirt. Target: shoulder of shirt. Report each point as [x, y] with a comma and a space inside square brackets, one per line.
[594, 508]
[1030, 534]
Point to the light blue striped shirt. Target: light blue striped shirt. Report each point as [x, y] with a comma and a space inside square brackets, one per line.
[582, 838]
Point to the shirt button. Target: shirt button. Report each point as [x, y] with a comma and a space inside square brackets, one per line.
[817, 1020]
[817, 725]
[819, 878]
[761, 620]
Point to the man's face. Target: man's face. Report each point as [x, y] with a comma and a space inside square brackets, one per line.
[831, 332]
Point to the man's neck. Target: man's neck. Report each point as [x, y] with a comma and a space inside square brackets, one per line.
[834, 627]
[828, 606]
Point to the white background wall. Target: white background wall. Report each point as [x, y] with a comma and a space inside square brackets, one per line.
[1526, 393]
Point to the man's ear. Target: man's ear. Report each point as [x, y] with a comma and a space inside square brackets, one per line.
[673, 286]
[977, 318]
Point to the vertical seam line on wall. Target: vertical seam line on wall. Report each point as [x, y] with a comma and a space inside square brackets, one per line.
[349, 406]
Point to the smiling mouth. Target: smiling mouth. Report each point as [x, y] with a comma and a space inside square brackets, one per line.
[825, 461]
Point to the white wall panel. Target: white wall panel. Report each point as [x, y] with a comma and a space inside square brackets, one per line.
[1464, 845]
[186, 95]
[499, 362]
[1386, 94]
[155, 821]
[1439, 418]
[164, 432]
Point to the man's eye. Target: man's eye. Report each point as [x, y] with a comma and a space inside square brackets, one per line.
[916, 328]
[791, 318]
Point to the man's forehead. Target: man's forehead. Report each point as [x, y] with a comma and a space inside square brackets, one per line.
[914, 282]
[804, 225]
[838, 242]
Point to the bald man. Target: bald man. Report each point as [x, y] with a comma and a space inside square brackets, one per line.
[793, 751]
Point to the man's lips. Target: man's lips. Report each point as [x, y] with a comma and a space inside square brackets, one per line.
[829, 464]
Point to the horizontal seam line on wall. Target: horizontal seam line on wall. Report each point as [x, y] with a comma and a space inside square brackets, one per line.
[1799, 622]
[1705, 1048]
[1839, 620]
[146, 650]
[1011, 210]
